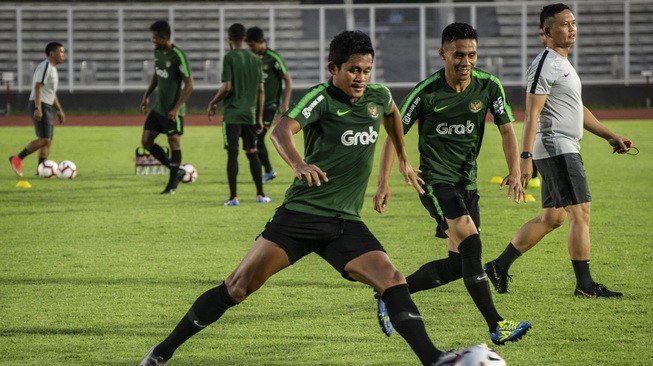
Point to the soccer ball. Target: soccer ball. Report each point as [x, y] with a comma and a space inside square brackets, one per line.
[191, 173]
[480, 355]
[67, 170]
[48, 169]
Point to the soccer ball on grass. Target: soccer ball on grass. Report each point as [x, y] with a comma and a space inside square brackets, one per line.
[191, 173]
[48, 169]
[67, 170]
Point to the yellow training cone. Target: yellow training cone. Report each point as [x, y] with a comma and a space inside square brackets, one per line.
[496, 179]
[23, 184]
[535, 183]
[529, 198]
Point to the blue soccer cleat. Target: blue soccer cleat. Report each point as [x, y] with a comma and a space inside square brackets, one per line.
[383, 316]
[269, 176]
[232, 202]
[509, 331]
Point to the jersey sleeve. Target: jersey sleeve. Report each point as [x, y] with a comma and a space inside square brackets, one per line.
[386, 99]
[310, 107]
[411, 109]
[41, 73]
[184, 66]
[499, 106]
[227, 72]
[279, 63]
[541, 76]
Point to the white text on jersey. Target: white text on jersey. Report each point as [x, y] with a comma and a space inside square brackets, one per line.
[307, 111]
[350, 138]
[461, 129]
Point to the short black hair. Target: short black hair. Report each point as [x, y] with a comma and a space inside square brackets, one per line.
[52, 46]
[254, 34]
[456, 31]
[236, 32]
[349, 43]
[550, 11]
[162, 28]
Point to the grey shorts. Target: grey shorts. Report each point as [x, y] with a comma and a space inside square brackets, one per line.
[564, 181]
[44, 127]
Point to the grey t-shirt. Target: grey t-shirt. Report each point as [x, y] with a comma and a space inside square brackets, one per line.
[560, 126]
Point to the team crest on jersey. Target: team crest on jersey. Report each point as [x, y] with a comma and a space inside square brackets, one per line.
[373, 110]
[168, 64]
[265, 67]
[475, 105]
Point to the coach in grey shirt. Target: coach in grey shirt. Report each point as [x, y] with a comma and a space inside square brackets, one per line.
[554, 101]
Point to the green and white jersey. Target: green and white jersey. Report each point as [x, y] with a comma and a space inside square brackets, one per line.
[243, 68]
[451, 124]
[339, 137]
[274, 68]
[171, 68]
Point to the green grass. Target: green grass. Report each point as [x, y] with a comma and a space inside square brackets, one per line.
[96, 270]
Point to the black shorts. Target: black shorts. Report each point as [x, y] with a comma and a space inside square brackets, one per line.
[336, 240]
[269, 115]
[162, 124]
[450, 202]
[564, 182]
[43, 128]
[232, 132]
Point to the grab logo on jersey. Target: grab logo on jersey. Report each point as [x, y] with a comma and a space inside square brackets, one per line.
[461, 129]
[162, 73]
[411, 110]
[498, 106]
[308, 110]
[349, 138]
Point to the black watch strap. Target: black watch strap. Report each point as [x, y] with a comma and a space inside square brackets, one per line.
[526, 155]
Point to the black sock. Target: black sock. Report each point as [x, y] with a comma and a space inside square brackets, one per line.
[255, 169]
[263, 152]
[408, 322]
[208, 308]
[232, 172]
[175, 162]
[583, 276]
[42, 159]
[476, 280]
[436, 273]
[509, 255]
[157, 151]
[23, 154]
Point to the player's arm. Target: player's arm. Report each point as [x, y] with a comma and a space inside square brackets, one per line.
[592, 124]
[222, 93]
[261, 106]
[59, 108]
[282, 138]
[148, 92]
[287, 92]
[534, 106]
[510, 150]
[185, 94]
[38, 113]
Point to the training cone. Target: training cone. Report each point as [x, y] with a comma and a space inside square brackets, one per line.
[529, 198]
[23, 184]
[496, 179]
[535, 183]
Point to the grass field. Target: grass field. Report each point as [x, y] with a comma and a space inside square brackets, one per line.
[95, 270]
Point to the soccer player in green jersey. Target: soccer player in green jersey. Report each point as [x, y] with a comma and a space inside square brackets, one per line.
[321, 212]
[244, 96]
[171, 70]
[274, 73]
[450, 106]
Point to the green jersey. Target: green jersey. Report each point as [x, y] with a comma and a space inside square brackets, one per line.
[339, 138]
[171, 68]
[243, 69]
[451, 125]
[273, 71]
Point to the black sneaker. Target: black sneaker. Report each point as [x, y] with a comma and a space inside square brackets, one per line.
[499, 279]
[597, 290]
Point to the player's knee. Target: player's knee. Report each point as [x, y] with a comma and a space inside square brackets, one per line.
[237, 289]
[251, 152]
[553, 221]
[44, 141]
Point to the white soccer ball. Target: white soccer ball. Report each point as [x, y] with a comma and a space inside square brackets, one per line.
[191, 173]
[48, 169]
[67, 170]
[480, 355]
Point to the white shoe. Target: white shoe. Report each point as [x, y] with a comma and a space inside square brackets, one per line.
[152, 360]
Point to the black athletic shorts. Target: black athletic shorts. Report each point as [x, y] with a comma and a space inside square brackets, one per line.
[269, 115]
[564, 182]
[43, 128]
[336, 240]
[162, 124]
[447, 201]
[232, 132]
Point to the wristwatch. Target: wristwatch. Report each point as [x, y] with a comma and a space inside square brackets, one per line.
[526, 155]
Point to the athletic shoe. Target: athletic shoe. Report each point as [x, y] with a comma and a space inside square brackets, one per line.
[152, 360]
[232, 202]
[17, 164]
[597, 290]
[269, 176]
[499, 279]
[383, 316]
[169, 191]
[263, 199]
[509, 331]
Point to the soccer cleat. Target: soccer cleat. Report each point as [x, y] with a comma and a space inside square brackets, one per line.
[499, 279]
[169, 191]
[509, 331]
[383, 316]
[16, 164]
[152, 360]
[263, 199]
[269, 176]
[231, 202]
[597, 290]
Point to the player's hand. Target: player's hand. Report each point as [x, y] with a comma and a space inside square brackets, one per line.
[38, 115]
[143, 106]
[526, 167]
[310, 173]
[173, 114]
[381, 197]
[210, 111]
[515, 188]
[261, 127]
[62, 117]
[620, 145]
[411, 176]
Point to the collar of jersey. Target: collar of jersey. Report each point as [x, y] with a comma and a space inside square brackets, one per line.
[338, 94]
